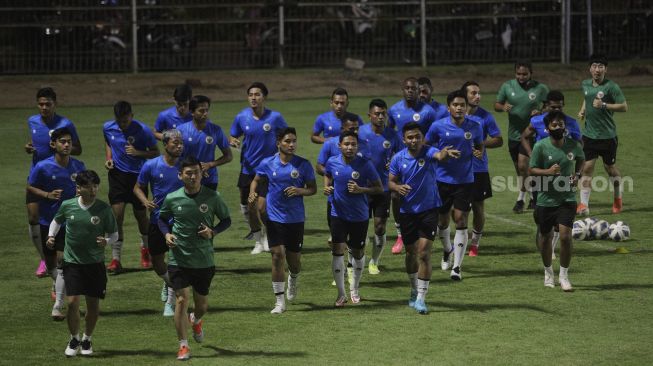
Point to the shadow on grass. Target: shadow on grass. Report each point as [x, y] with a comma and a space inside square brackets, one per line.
[502, 273]
[316, 232]
[223, 248]
[112, 353]
[242, 271]
[110, 313]
[616, 286]
[256, 309]
[435, 306]
[222, 352]
[129, 270]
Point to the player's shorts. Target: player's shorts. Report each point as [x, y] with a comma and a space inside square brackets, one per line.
[605, 148]
[419, 225]
[121, 188]
[328, 213]
[513, 149]
[379, 205]
[354, 233]
[457, 195]
[245, 180]
[156, 241]
[85, 279]
[482, 187]
[197, 278]
[548, 217]
[522, 151]
[289, 235]
[59, 240]
[31, 197]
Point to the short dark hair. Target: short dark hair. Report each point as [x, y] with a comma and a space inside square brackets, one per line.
[188, 161]
[348, 134]
[468, 83]
[183, 93]
[378, 103]
[555, 95]
[349, 117]
[87, 177]
[46, 92]
[339, 91]
[598, 59]
[122, 108]
[410, 78]
[456, 94]
[196, 100]
[259, 85]
[552, 116]
[56, 134]
[524, 63]
[424, 81]
[411, 126]
[285, 131]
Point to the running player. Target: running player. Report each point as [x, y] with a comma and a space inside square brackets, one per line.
[186, 220]
[426, 96]
[128, 144]
[176, 115]
[289, 178]
[90, 227]
[328, 124]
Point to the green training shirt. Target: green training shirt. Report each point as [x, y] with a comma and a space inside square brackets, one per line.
[523, 102]
[187, 213]
[599, 123]
[553, 191]
[82, 229]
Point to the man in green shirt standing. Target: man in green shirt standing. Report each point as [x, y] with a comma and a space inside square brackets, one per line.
[555, 166]
[521, 98]
[190, 211]
[88, 221]
[603, 97]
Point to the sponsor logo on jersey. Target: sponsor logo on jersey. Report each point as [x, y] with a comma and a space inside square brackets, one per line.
[267, 127]
[95, 220]
[416, 117]
[294, 174]
[355, 175]
[532, 96]
[204, 208]
[209, 140]
[330, 128]
[570, 156]
[468, 135]
[386, 144]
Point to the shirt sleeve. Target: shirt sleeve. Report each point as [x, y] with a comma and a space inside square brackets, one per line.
[318, 126]
[60, 216]
[502, 94]
[371, 173]
[34, 175]
[536, 157]
[73, 131]
[478, 134]
[432, 135]
[492, 128]
[110, 225]
[165, 212]
[220, 139]
[617, 94]
[261, 170]
[328, 167]
[150, 140]
[395, 169]
[580, 154]
[221, 209]
[309, 174]
[323, 155]
[144, 175]
[432, 151]
[159, 124]
[281, 123]
[235, 130]
[574, 129]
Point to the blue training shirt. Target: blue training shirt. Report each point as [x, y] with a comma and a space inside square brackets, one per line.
[47, 175]
[331, 148]
[329, 125]
[260, 139]
[441, 110]
[381, 149]
[202, 145]
[399, 115]
[162, 179]
[137, 134]
[297, 172]
[490, 128]
[40, 134]
[571, 126]
[419, 173]
[169, 119]
[344, 205]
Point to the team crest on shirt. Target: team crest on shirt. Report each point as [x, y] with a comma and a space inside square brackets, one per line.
[416, 117]
[73, 176]
[420, 162]
[468, 135]
[49, 132]
[95, 220]
[161, 175]
[204, 208]
[355, 175]
[131, 140]
[570, 156]
[267, 127]
[600, 94]
[386, 144]
[532, 96]
[294, 174]
[209, 140]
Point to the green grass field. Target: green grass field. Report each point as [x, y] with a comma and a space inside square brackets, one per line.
[499, 314]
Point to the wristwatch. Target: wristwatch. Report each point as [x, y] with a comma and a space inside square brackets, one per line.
[604, 105]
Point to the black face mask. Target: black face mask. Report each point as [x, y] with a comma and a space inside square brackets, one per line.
[557, 134]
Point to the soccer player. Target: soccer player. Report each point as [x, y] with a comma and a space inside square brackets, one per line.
[382, 143]
[409, 109]
[348, 179]
[202, 137]
[161, 174]
[426, 96]
[412, 176]
[456, 178]
[289, 178]
[40, 127]
[491, 139]
[603, 97]
[521, 98]
[556, 161]
[128, 144]
[191, 211]
[90, 226]
[53, 180]
[259, 127]
[176, 115]
[328, 124]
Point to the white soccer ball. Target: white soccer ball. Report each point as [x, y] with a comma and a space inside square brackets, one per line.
[580, 230]
[619, 231]
[589, 222]
[600, 229]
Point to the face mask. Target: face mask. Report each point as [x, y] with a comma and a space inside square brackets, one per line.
[557, 134]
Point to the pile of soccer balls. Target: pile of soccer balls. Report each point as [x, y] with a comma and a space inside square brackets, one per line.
[591, 228]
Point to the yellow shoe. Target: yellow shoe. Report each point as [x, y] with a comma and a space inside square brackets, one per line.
[373, 269]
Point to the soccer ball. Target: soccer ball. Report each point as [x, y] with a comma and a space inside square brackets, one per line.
[600, 229]
[619, 231]
[580, 230]
[589, 222]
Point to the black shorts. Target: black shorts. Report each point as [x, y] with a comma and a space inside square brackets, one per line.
[85, 279]
[548, 217]
[523, 151]
[197, 278]
[156, 241]
[605, 148]
[31, 197]
[328, 214]
[245, 180]
[419, 225]
[457, 195]
[354, 233]
[482, 187]
[121, 188]
[379, 205]
[59, 240]
[513, 149]
[289, 235]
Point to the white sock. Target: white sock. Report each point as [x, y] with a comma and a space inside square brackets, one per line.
[144, 243]
[397, 226]
[279, 290]
[257, 237]
[292, 278]
[359, 264]
[116, 250]
[522, 195]
[76, 336]
[245, 212]
[445, 236]
[264, 240]
[35, 235]
[476, 237]
[554, 241]
[460, 245]
[59, 288]
[377, 248]
[338, 269]
[165, 277]
[422, 289]
[585, 196]
[563, 272]
[171, 296]
[412, 277]
[86, 337]
[183, 343]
